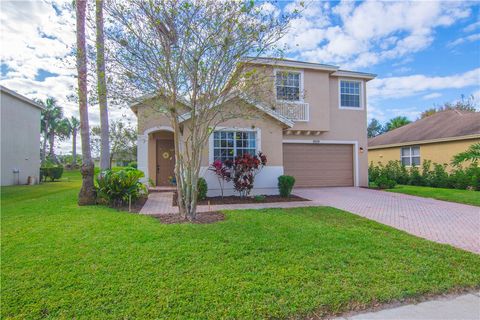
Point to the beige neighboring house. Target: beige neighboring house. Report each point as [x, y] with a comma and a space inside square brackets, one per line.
[317, 133]
[437, 138]
[20, 138]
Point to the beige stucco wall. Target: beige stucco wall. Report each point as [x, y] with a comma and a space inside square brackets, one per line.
[20, 139]
[345, 125]
[440, 152]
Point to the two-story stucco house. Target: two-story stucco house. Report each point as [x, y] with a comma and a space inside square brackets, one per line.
[316, 134]
[20, 134]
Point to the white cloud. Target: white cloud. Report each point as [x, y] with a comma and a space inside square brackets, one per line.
[432, 96]
[462, 40]
[397, 87]
[370, 32]
[471, 27]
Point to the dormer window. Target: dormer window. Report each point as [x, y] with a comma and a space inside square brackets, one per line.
[288, 85]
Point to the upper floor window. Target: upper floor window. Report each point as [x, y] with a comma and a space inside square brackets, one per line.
[229, 144]
[288, 85]
[410, 156]
[350, 94]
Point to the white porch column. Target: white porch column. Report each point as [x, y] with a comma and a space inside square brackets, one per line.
[142, 155]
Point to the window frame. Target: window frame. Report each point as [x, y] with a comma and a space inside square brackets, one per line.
[300, 85]
[361, 94]
[211, 152]
[410, 156]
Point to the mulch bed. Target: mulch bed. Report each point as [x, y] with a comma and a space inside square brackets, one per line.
[240, 200]
[201, 218]
[136, 207]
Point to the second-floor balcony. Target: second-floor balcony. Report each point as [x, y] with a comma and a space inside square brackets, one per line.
[296, 111]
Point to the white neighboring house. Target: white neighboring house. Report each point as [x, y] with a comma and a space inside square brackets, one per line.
[20, 138]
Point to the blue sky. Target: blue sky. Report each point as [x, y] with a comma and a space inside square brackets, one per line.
[424, 53]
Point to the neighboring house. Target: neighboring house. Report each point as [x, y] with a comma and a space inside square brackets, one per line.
[437, 138]
[317, 133]
[20, 134]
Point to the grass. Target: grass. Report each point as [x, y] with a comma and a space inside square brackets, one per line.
[453, 195]
[64, 261]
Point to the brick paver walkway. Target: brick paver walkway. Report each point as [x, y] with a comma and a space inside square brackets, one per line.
[440, 221]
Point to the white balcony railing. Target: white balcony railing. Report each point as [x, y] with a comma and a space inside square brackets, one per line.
[296, 111]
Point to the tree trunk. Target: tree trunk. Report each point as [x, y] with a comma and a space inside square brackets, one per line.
[102, 88]
[74, 146]
[51, 143]
[87, 192]
[45, 138]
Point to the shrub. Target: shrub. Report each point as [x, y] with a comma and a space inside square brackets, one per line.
[52, 172]
[202, 189]
[416, 179]
[374, 171]
[259, 198]
[118, 187]
[285, 185]
[383, 182]
[132, 164]
[222, 173]
[244, 169]
[395, 170]
[438, 178]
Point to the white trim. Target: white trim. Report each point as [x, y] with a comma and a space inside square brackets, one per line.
[354, 74]
[158, 128]
[289, 63]
[301, 87]
[356, 176]
[258, 138]
[362, 93]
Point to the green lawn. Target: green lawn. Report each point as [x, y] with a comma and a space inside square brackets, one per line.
[454, 195]
[62, 261]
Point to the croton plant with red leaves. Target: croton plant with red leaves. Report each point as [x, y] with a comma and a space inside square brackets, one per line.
[242, 170]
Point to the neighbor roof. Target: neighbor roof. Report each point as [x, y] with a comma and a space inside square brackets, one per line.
[445, 125]
[20, 97]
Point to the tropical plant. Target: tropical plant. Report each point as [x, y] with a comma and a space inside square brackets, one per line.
[471, 154]
[87, 191]
[51, 118]
[120, 187]
[222, 172]
[244, 169]
[285, 185]
[396, 122]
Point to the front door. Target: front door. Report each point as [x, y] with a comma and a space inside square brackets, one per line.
[165, 162]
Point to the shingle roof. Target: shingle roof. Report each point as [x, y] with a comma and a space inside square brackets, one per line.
[445, 124]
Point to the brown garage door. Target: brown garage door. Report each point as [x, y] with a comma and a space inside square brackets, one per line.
[319, 165]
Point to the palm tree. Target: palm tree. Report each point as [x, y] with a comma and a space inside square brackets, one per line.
[102, 88]
[396, 122]
[87, 194]
[50, 119]
[471, 154]
[74, 125]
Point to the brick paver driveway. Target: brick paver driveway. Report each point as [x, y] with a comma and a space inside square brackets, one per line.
[440, 221]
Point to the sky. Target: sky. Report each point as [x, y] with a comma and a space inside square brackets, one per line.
[424, 53]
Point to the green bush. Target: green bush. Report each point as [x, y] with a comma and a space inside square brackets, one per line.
[53, 172]
[133, 164]
[285, 185]
[202, 189]
[259, 198]
[117, 188]
[383, 182]
[395, 170]
[416, 178]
